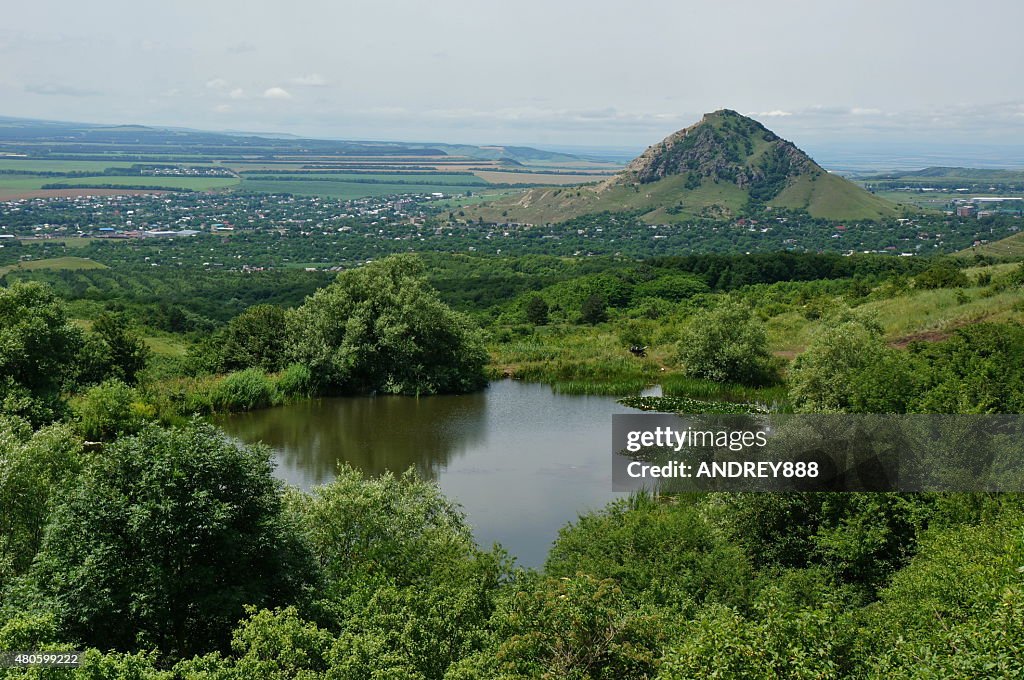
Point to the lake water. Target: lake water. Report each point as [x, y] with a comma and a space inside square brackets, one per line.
[520, 460]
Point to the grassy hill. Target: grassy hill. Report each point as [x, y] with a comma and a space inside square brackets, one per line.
[1008, 248]
[715, 168]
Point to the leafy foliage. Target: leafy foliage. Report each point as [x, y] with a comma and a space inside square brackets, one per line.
[37, 351]
[726, 344]
[162, 541]
[382, 329]
[110, 410]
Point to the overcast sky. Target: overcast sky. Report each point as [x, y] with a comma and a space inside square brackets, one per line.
[551, 72]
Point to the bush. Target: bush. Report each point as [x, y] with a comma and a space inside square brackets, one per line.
[674, 287]
[726, 344]
[254, 339]
[847, 367]
[957, 610]
[941, 275]
[110, 410]
[243, 391]
[660, 553]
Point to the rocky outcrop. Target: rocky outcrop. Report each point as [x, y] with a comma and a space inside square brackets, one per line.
[724, 146]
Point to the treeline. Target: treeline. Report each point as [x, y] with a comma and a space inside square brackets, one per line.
[171, 300]
[727, 272]
[100, 185]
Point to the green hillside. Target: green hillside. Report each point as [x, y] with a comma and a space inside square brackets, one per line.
[833, 197]
[1011, 247]
[717, 168]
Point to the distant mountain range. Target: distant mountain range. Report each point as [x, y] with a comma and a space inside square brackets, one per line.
[716, 168]
[32, 136]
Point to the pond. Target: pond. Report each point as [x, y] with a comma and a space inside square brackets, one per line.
[520, 460]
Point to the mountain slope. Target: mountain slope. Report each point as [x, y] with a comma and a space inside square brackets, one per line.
[716, 168]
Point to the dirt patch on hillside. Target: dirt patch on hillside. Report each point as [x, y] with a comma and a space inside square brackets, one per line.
[922, 336]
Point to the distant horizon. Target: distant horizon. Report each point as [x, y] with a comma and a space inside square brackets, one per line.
[837, 155]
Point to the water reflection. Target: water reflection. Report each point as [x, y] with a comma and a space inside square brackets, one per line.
[374, 434]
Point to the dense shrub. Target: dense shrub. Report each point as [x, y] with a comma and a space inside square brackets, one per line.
[941, 275]
[726, 344]
[110, 410]
[164, 539]
[254, 339]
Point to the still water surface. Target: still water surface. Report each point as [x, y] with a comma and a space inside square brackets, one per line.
[521, 461]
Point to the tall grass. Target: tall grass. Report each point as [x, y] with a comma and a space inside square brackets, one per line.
[679, 385]
[615, 388]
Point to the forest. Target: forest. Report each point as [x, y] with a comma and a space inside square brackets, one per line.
[133, 529]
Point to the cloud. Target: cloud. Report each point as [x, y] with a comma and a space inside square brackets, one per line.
[222, 108]
[777, 113]
[237, 93]
[276, 93]
[56, 90]
[312, 80]
[216, 84]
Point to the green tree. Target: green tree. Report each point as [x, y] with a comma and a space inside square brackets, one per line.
[126, 350]
[35, 469]
[576, 628]
[537, 311]
[726, 344]
[594, 310]
[254, 339]
[37, 351]
[382, 328]
[401, 576]
[164, 539]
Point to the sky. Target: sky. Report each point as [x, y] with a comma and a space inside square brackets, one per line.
[549, 73]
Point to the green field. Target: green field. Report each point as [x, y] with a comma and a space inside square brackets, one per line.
[14, 183]
[349, 190]
[933, 200]
[192, 183]
[54, 263]
[39, 165]
[439, 178]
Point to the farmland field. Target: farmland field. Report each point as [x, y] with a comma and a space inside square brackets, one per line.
[96, 160]
[349, 190]
[69, 263]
